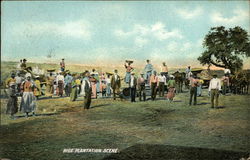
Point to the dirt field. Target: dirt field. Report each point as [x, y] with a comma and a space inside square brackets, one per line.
[141, 130]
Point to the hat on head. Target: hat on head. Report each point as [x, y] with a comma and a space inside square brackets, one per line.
[27, 75]
[24, 59]
[132, 73]
[12, 83]
[142, 74]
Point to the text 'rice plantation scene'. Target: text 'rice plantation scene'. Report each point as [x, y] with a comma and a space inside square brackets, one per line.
[118, 80]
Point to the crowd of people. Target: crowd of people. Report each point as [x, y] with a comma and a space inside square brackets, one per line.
[92, 84]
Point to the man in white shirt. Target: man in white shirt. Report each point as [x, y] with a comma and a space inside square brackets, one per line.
[161, 84]
[214, 90]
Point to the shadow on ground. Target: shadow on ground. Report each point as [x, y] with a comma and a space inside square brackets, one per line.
[166, 152]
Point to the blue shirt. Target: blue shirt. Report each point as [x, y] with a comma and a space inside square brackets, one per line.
[148, 67]
[68, 79]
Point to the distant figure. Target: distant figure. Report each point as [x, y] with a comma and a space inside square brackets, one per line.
[129, 69]
[50, 85]
[60, 84]
[67, 83]
[115, 84]
[28, 102]
[19, 64]
[103, 85]
[193, 89]
[19, 81]
[227, 71]
[108, 86]
[225, 83]
[94, 74]
[12, 101]
[23, 65]
[141, 87]
[161, 84]
[188, 72]
[11, 79]
[171, 88]
[62, 65]
[37, 89]
[148, 71]
[164, 70]
[199, 87]
[214, 90]
[73, 94]
[132, 86]
[86, 90]
[94, 86]
[153, 85]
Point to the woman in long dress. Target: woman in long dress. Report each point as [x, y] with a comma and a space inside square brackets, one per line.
[28, 102]
[12, 101]
[171, 88]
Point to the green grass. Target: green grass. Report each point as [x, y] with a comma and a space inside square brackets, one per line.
[121, 124]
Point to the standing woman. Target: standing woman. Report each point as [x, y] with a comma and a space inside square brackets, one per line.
[129, 69]
[73, 94]
[28, 102]
[60, 83]
[37, 90]
[108, 85]
[93, 82]
[171, 88]
[12, 102]
[50, 85]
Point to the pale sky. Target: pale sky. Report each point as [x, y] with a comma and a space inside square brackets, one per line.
[106, 32]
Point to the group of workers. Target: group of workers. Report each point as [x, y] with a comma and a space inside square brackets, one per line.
[90, 84]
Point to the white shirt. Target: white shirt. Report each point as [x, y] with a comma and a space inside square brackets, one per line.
[115, 77]
[59, 78]
[215, 83]
[132, 81]
[162, 78]
[108, 80]
[18, 80]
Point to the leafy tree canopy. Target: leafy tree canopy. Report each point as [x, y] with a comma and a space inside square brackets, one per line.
[225, 48]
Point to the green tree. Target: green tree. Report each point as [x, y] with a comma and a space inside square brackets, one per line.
[225, 48]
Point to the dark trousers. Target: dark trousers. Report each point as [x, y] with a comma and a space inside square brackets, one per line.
[132, 94]
[161, 89]
[68, 89]
[142, 92]
[116, 89]
[87, 100]
[193, 93]
[153, 90]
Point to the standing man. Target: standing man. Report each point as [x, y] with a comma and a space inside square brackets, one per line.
[193, 89]
[188, 69]
[153, 85]
[129, 69]
[115, 83]
[132, 86]
[141, 85]
[148, 71]
[87, 90]
[67, 82]
[19, 81]
[59, 82]
[62, 65]
[164, 70]
[161, 84]
[73, 94]
[225, 83]
[214, 89]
